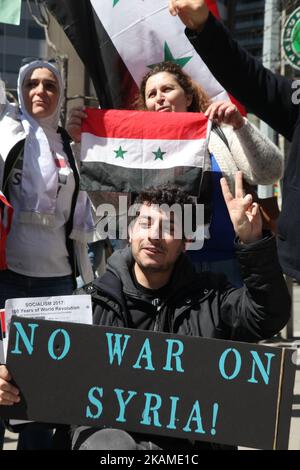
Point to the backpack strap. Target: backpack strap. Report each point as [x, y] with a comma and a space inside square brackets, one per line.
[220, 133]
[14, 154]
[6, 216]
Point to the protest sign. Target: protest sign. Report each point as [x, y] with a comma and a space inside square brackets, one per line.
[68, 308]
[155, 383]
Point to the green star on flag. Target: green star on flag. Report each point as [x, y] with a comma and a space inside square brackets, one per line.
[120, 153]
[168, 57]
[159, 154]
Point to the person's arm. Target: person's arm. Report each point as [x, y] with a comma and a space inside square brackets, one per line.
[261, 307]
[253, 153]
[264, 93]
[9, 395]
[260, 160]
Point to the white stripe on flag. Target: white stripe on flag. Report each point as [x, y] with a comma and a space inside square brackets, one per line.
[143, 154]
[140, 32]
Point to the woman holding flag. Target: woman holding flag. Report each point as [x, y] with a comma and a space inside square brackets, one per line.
[52, 218]
[234, 145]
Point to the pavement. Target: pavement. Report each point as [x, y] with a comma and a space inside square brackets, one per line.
[292, 341]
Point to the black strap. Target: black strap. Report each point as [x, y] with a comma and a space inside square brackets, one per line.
[10, 162]
[69, 225]
[219, 131]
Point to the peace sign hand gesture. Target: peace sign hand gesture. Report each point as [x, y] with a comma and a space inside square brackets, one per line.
[244, 214]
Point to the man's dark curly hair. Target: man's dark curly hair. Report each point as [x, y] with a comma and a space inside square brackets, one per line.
[169, 195]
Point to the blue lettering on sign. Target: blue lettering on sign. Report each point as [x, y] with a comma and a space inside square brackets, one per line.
[28, 343]
[151, 408]
[172, 423]
[176, 355]
[94, 400]
[195, 416]
[257, 362]
[123, 404]
[114, 348]
[238, 364]
[66, 347]
[145, 354]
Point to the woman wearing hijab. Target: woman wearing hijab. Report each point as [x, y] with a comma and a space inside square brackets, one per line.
[52, 220]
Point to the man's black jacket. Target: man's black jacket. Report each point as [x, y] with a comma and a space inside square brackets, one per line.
[275, 100]
[201, 304]
[198, 305]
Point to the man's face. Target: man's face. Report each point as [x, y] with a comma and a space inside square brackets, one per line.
[153, 242]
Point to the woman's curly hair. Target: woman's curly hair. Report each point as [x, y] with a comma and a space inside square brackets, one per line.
[200, 99]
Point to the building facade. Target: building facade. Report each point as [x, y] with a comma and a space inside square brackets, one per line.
[28, 41]
[18, 42]
[246, 20]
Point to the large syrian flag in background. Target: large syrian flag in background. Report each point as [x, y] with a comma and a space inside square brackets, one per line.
[119, 40]
[127, 151]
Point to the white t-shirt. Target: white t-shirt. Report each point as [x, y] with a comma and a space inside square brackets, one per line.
[37, 250]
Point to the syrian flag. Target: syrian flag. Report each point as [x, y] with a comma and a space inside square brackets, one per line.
[127, 151]
[120, 40]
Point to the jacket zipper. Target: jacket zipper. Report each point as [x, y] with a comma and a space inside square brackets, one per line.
[158, 305]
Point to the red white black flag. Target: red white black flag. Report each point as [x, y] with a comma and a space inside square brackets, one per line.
[126, 151]
[119, 41]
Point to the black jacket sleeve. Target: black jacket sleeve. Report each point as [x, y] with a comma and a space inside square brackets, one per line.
[263, 92]
[261, 308]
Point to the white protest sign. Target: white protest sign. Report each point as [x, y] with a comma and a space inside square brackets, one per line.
[67, 308]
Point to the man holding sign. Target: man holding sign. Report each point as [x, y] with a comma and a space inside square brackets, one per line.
[152, 286]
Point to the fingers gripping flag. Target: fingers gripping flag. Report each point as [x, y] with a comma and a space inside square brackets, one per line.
[127, 151]
[120, 40]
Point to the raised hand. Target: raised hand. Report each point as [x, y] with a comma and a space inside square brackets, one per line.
[193, 13]
[74, 122]
[244, 214]
[225, 112]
